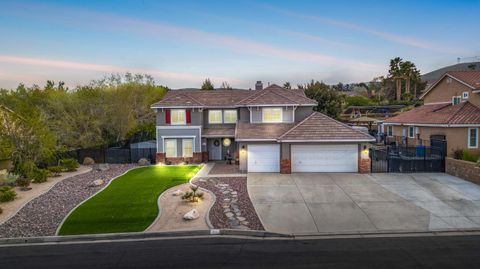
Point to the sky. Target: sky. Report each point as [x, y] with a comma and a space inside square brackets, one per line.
[180, 43]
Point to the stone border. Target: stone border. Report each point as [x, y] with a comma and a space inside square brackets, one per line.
[46, 191]
[466, 170]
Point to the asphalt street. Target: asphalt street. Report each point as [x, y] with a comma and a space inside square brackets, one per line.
[224, 252]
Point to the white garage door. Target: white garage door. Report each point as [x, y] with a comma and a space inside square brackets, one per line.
[263, 158]
[324, 158]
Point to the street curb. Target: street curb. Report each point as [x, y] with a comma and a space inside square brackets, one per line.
[4, 242]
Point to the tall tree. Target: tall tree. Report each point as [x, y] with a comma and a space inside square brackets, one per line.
[287, 85]
[329, 101]
[225, 86]
[395, 73]
[207, 85]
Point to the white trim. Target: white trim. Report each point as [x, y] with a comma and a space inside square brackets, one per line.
[272, 108]
[178, 127]
[235, 106]
[215, 110]
[251, 140]
[431, 125]
[183, 146]
[413, 131]
[454, 97]
[165, 150]
[437, 103]
[388, 133]
[219, 136]
[467, 94]
[184, 116]
[476, 91]
[330, 140]
[174, 107]
[230, 110]
[476, 142]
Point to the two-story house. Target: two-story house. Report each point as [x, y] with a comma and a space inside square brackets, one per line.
[451, 110]
[266, 130]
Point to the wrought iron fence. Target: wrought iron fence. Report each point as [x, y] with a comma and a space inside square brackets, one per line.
[408, 159]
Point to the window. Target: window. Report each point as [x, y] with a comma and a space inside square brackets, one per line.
[214, 116]
[390, 130]
[465, 95]
[187, 145]
[170, 148]
[229, 116]
[473, 138]
[456, 100]
[178, 117]
[272, 114]
[411, 132]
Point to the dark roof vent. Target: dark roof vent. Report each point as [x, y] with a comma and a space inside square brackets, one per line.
[259, 85]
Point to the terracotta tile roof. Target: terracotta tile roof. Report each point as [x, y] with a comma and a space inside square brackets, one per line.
[271, 95]
[471, 78]
[463, 113]
[218, 132]
[261, 131]
[319, 127]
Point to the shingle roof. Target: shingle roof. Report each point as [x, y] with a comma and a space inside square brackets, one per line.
[260, 131]
[471, 78]
[463, 113]
[218, 132]
[271, 95]
[319, 127]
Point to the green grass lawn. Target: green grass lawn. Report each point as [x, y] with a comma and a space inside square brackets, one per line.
[129, 203]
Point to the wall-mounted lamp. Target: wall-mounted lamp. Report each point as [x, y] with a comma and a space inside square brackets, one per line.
[365, 152]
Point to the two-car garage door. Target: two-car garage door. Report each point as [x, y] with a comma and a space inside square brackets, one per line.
[324, 158]
[304, 158]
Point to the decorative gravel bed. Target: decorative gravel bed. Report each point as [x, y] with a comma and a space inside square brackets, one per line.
[233, 208]
[44, 214]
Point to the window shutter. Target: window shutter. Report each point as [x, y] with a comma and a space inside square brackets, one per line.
[189, 116]
[167, 116]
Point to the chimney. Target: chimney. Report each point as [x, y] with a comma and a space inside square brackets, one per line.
[259, 85]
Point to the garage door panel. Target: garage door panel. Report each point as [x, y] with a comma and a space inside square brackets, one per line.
[263, 158]
[325, 158]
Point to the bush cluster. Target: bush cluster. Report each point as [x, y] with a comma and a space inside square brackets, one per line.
[465, 155]
[69, 165]
[7, 194]
[55, 170]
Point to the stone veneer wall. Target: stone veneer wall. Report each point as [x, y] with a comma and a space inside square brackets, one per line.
[365, 166]
[198, 157]
[463, 169]
[285, 167]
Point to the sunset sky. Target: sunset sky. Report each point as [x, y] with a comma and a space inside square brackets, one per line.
[180, 43]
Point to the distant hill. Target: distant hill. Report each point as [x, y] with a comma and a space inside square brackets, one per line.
[436, 74]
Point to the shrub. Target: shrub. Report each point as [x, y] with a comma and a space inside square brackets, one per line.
[88, 161]
[193, 195]
[23, 183]
[7, 194]
[40, 175]
[26, 169]
[55, 170]
[457, 154]
[69, 165]
[9, 180]
[467, 156]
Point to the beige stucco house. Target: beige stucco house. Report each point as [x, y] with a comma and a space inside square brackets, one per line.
[451, 109]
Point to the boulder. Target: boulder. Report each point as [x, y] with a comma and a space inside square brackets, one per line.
[178, 193]
[143, 162]
[88, 161]
[98, 182]
[191, 215]
[102, 167]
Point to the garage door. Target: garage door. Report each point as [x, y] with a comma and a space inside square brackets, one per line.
[263, 158]
[324, 158]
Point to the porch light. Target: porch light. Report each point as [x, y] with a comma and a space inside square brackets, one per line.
[227, 142]
[243, 150]
[365, 153]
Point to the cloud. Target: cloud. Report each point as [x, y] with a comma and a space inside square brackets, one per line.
[395, 38]
[102, 68]
[121, 23]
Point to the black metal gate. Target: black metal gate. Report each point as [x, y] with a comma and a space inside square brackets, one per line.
[403, 159]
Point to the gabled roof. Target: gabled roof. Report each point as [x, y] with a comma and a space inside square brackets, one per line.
[260, 131]
[271, 95]
[320, 128]
[464, 113]
[470, 79]
[218, 132]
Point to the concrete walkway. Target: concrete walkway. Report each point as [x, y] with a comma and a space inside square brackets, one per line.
[343, 202]
[207, 171]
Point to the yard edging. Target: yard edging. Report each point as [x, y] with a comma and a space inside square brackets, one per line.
[33, 198]
[102, 189]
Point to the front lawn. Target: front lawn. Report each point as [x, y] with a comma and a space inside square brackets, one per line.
[129, 203]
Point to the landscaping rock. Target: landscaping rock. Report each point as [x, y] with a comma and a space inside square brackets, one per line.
[102, 167]
[177, 193]
[88, 161]
[191, 215]
[98, 182]
[143, 162]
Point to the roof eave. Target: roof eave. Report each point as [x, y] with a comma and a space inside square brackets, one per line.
[328, 140]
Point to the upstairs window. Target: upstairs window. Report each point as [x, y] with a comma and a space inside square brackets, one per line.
[178, 117]
[390, 130]
[214, 116]
[465, 95]
[456, 100]
[230, 116]
[271, 115]
[473, 138]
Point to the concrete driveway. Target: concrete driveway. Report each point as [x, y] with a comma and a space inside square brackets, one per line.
[344, 202]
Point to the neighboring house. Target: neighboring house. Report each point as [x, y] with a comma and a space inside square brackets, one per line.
[264, 130]
[451, 110]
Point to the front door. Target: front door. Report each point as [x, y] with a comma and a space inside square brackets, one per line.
[215, 149]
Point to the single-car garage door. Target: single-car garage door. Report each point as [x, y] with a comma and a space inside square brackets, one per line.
[324, 158]
[263, 158]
